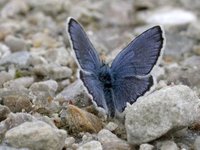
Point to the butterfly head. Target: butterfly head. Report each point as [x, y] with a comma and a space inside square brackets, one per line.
[105, 75]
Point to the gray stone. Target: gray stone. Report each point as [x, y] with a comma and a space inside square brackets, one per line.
[4, 76]
[4, 111]
[15, 44]
[174, 48]
[168, 145]
[69, 141]
[13, 8]
[53, 71]
[43, 92]
[146, 147]
[111, 126]
[111, 141]
[76, 93]
[16, 83]
[11, 148]
[17, 103]
[59, 56]
[13, 120]
[18, 58]
[194, 30]
[167, 16]
[41, 136]
[4, 50]
[192, 62]
[197, 143]
[171, 108]
[35, 60]
[92, 145]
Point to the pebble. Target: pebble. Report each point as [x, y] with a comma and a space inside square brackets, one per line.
[69, 141]
[17, 103]
[43, 92]
[146, 147]
[170, 108]
[111, 126]
[53, 71]
[92, 145]
[15, 44]
[4, 111]
[41, 136]
[16, 83]
[167, 16]
[168, 145]
[4, 76]
[18, 58]
[111, 141]
[75, 93]
[197, 143]
[78, 120]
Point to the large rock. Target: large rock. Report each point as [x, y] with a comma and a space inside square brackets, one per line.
[170, 108]
[40, 136]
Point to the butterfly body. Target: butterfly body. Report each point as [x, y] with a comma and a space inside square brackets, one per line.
[127, 78]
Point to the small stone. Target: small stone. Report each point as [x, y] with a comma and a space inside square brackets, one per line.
[35, 60]
[13, 120]
[146, 147]
[16, 83]
[196, 50]
[4, 76]
[41, 136]
[111, 141]
[69, 141]
[75, 93]
[43, 40]
[79, 120]
[11, 148]
[18, 58]
[15, 44]
[53, 71]
[111, 126]
[44, 92]
[194, 30]
[58, 56]
[13, 8]
[171, 108]
[197, 143]
[17, 103]
[4, 51]
[4, 111]
[168, 17]
[92, 145]
[168, 145]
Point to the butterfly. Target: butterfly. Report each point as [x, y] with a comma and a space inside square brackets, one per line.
[127, 78]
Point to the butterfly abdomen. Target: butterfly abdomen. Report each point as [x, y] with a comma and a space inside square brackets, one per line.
[108, 94]
[105, 78]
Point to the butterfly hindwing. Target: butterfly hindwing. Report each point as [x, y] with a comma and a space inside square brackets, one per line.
[140, 56]
[128, 89]
[85, 52]
[95, 88]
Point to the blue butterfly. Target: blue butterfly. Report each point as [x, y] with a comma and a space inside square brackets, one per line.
[127, 78]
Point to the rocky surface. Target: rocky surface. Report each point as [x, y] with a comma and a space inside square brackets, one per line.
[41, 93]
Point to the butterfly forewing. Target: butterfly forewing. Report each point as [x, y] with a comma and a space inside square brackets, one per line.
[140, 56]
[85, 52]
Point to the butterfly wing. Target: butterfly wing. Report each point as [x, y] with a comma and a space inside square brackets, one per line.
[128, 89]
[85, 52]
[95, 88]
[140, 56]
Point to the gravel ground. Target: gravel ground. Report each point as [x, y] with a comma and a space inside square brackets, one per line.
[44, 106]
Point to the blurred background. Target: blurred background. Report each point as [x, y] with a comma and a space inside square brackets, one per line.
[33, 34]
